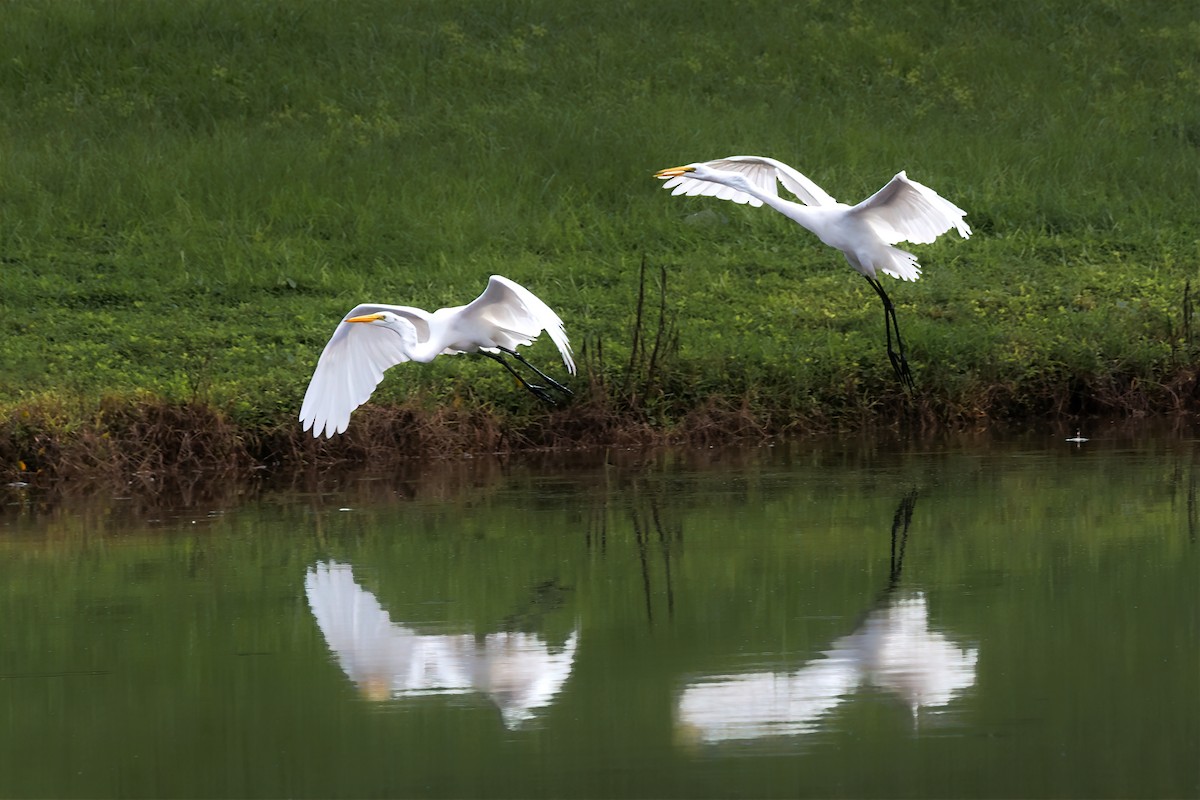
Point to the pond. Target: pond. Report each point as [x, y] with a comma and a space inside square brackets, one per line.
[980, 617]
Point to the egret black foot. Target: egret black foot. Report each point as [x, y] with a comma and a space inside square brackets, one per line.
[539, 373]
[541, 393]
[903, 374]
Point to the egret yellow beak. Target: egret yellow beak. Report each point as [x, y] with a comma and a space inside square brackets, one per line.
[673, 172]
[366, 318]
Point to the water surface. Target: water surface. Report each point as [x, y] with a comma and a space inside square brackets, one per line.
[990, 619]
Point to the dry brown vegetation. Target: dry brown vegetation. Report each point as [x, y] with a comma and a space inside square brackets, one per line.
[153, 447]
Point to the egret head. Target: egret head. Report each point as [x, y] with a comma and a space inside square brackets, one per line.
[677, 172]
[380, 318]
[703, 172]
[395, 323]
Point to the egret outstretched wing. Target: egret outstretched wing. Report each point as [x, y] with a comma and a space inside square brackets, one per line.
[352, 365]
[907, 211]
[764, 173]
[517, 315]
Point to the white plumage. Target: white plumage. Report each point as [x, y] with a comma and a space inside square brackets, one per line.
[373, 338]
[866, 234]
[902, 211]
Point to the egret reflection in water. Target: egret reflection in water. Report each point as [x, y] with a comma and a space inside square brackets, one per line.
[519, 672]
[894, 649]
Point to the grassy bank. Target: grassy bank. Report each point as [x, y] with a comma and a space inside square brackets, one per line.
[193, 193]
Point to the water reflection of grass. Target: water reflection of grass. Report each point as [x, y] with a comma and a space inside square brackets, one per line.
[1071, 576]
[189, 205]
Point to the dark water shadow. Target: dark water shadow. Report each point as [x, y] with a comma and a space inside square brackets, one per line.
[145, 500]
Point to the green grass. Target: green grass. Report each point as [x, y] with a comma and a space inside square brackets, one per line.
[192, 193]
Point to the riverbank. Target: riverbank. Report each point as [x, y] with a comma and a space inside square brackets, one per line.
[154, 447]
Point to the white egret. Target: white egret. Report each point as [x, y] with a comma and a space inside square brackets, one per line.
[373, 338]
[902, 211]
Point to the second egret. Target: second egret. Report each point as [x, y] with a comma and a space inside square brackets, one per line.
[902, 211]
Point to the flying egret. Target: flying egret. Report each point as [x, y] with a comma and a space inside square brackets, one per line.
[373, 338]
[902, 211]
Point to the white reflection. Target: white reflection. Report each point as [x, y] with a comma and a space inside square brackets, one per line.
[897, 650]
[760, 704]
[893, 649]
[517, 671]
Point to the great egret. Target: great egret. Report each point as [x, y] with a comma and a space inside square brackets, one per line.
[373, 338]
[902, 211]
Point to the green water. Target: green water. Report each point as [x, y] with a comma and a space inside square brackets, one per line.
[982, 619]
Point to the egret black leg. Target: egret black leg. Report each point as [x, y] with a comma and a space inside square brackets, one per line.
[541, 374]
[899, 362]
[539, 392]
